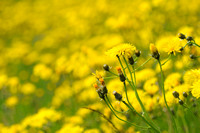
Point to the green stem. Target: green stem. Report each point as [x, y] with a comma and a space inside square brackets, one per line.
[113, 107]
[144, 63]
[136, 93]
[113, 73]
[163, 91]
[196, 44]
[185, 45]
[167, 59]
[125, 120]
[134, 111]
[132, 108]
[185, 124]
[110, 77]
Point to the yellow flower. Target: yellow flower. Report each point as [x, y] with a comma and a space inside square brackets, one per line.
[192, 76]
[122, 50]
[170, 44]
[150, 86]
[97, 75]
[11, 101]
[28, 88]
[196, 89]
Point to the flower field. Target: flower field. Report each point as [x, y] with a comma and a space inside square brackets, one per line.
[104, 66]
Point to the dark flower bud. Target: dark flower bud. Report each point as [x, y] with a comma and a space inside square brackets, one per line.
[189, 38]
[104, 90]
[194, 104]
[101, 95]
[137, 53]
[189, 43]
[154, 51]
[181, 49]
[175, 94]
[185, 94]
[192, 56]
[117, 96]
[180, 102]
[122, 78]
[106, 67]
[130, 60]
[181, 36]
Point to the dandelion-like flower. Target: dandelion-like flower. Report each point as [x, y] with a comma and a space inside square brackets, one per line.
[192, 76]
[97, 75]
[196, 89]
[125, 49]
[171, 45]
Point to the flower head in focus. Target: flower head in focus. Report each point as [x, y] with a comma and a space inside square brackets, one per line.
[170, 44]
[125, 49]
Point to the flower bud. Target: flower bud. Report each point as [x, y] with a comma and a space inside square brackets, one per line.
[104, 90]
[180, 102]
[137, 53]
[106, 67]
[131, 61]
[117, 96]
[181, 36]
[101, 95]
[189, 38]
[175, 94]
[181, 49]
[122, 78]
[121, 75]
[192, 56]
[185, 94]
[154, 51]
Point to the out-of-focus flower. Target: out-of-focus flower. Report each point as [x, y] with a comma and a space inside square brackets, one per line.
[11, 101]
[27, 88]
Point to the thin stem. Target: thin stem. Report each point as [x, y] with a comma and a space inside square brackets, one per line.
[136, 93]
[124, 120]
[113, 107]
[196, 44]
[137, 96]
[110, 77]
[185, 45]
[132, 108]
[103, 117]
[113, 73]
[134, 74]
[167, 59]
[163, 91]
[185, 124]
[134, 111]
[144, 63]
[122, 66]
